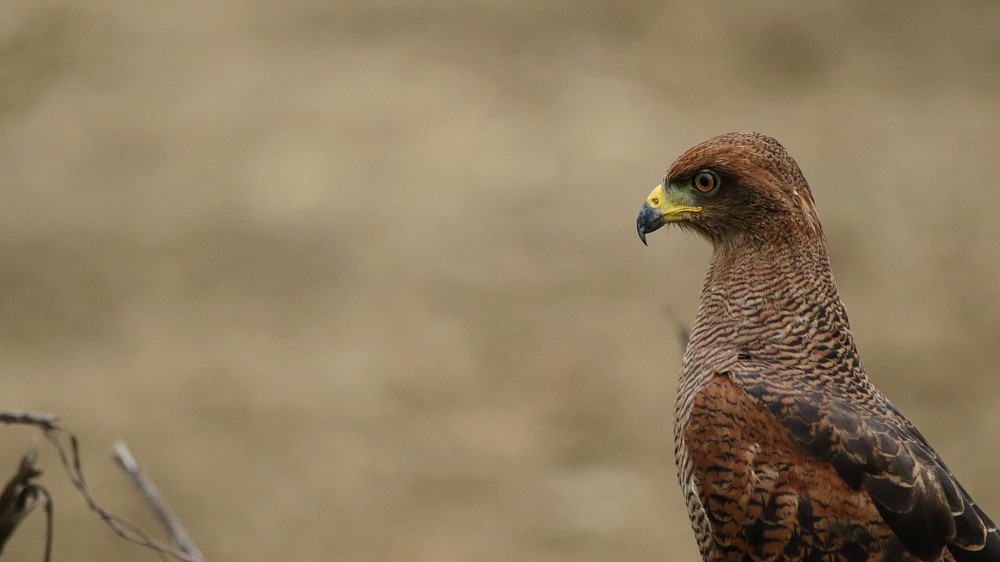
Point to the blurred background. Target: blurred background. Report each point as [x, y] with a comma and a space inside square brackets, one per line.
[360, 280]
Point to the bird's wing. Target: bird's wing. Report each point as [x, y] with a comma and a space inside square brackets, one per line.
[762, 498]
[872, 446]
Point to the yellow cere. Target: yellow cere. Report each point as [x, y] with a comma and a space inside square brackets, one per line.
[669, 206]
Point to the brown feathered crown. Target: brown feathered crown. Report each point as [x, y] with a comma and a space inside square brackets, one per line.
[749, 190]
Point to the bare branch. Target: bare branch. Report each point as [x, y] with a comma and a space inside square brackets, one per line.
[121, 526]
[44, 421]
[683, 334]
[179, 535]
[20, 496]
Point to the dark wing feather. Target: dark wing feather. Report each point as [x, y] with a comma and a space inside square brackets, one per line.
[989, 553]
[872, 446]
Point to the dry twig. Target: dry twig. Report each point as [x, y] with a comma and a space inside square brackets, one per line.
[21, 494]
[179, 535]
[683, 334]
[44, 421]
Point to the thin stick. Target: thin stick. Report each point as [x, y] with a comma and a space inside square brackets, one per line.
[45, 421]
[121, 526]
[154, 499]
[20, 496]
[683, 335]
[24, 493]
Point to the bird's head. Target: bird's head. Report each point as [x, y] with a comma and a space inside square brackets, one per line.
[735, 189]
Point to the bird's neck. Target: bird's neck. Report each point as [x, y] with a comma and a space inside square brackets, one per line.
[765, 297]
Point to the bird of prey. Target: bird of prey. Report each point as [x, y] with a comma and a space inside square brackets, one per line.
[785, 450]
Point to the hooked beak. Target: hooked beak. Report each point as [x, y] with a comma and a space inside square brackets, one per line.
[661, 207]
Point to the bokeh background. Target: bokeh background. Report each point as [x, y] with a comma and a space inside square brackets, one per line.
[360, 280]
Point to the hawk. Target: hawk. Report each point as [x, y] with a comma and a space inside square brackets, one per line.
[785, 450]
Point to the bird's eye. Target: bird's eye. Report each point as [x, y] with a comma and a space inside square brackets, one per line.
[706, 181]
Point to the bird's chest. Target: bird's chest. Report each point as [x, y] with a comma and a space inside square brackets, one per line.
[690, 453]
[737, 468]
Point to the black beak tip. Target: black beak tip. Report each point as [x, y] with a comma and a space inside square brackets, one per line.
[649, 219]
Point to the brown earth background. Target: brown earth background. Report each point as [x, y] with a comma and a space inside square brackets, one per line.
[360, 280]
